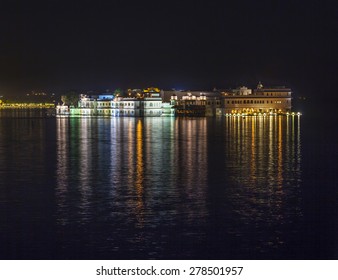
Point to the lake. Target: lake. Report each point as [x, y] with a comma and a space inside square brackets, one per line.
[167, 188]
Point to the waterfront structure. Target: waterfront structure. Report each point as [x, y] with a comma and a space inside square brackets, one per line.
[272, 100]
[147, 105]
[167, 94]
[25, 105]
[152, 102]
[196, 103]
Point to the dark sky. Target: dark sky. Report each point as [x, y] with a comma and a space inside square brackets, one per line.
[86, 45]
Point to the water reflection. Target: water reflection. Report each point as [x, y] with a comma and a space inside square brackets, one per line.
[62, 167]
[262, 165]
[139, 173]
[158, 187]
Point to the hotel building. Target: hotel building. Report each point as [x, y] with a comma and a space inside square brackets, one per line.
[276, 100]
[153, 102]
[147, 104]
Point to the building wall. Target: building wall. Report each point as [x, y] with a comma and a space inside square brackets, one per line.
[131, 107]
[167, 94]
[256, 104]
[62, 110]
[242, 100]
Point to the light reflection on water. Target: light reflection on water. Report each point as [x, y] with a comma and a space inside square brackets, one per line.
[129, 188]
[263, 174]
[185, 188]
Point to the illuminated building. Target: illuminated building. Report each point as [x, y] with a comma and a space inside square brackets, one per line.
[273, 100]
[147, 104]
[155, 102]
[196, 103]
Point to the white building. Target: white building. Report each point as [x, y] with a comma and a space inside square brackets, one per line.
[108, 105]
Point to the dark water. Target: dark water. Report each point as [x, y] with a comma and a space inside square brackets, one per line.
[165, 188]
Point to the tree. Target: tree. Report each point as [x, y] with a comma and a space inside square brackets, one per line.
[70, 99]
[64, 99]
[118, 92]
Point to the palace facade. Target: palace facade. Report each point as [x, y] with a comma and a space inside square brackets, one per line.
[261, 100]
[153, 102]
[149, 105]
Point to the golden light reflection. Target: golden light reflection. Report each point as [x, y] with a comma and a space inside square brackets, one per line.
[298, 144]
[264, 167]
[190, 131]
[280, 155]
[253, 150]
[139, 173]
[130, 151]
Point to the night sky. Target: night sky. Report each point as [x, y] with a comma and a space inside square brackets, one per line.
[59, 45]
